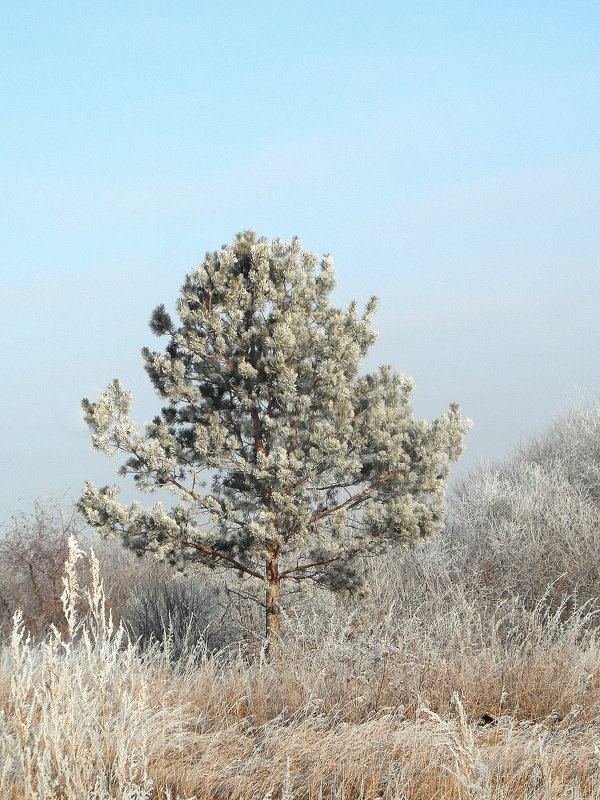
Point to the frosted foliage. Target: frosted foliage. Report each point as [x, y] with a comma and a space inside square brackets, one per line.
[573, 441]
[534, 520]
[273, 444]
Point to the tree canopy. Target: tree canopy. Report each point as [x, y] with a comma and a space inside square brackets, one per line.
[286, 462]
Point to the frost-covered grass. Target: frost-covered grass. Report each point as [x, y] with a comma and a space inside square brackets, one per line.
[84, 715]
[368, 702]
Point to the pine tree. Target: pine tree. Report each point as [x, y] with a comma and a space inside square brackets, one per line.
[288, 466]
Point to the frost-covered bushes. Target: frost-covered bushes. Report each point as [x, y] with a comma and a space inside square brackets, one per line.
[528, 529]
[573, 441]
[519, 527]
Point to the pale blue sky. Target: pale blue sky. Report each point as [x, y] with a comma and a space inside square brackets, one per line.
[446, 154]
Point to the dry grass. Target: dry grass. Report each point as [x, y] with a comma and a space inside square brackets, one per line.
[384, 705]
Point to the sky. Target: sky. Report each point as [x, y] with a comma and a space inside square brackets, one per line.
[447, 155]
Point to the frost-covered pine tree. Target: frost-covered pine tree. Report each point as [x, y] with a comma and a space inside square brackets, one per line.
[286, 463]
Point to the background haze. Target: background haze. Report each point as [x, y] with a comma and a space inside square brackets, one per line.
[447, 155]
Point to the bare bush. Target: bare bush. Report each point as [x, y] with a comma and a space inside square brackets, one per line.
[140, 592]
[181, 614]
[33, 551]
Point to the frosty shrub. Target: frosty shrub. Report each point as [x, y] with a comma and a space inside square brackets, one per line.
[573, 441]
[519, 527]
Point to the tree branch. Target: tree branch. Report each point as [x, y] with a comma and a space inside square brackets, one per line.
[215, 554]
[355, 497]
[325, 563]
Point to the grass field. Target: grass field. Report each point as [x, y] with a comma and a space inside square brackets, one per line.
[390, 706]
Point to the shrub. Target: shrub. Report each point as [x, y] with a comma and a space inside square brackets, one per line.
[33, 551]
[181, 614]
[518, 527]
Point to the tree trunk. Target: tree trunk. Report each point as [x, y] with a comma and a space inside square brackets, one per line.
[273, 593]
